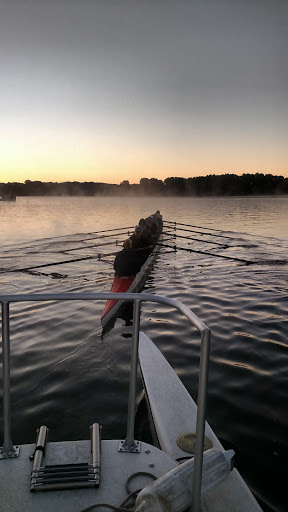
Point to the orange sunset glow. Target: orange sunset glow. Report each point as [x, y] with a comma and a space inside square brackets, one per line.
[112, 91]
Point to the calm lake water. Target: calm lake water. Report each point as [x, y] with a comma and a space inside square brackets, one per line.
[66, 374]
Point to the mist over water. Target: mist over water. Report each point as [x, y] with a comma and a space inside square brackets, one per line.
[66, 374]
[30, 218]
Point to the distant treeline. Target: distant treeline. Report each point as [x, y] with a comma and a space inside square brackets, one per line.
[212, 185]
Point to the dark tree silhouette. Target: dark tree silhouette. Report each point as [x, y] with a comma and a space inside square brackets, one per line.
[210, 185]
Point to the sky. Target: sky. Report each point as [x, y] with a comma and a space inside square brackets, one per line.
[113, 90]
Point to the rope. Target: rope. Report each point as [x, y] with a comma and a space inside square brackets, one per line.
[131, 494]
[106, 505]
[140, 473]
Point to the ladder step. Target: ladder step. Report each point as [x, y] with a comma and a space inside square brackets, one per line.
[54, 479]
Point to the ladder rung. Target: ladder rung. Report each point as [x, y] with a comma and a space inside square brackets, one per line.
[54, 479]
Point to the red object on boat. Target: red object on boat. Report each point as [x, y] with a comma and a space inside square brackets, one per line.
[119, 285]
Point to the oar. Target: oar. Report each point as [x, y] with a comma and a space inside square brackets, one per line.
[197, 239]
[104, 236]
[189, 225]
[107, 230]
[50, 264]
[58, 263]
[136, 250]
[207, 234]
[206, 253]
[106, 261]
[94, 245]
[67, 261]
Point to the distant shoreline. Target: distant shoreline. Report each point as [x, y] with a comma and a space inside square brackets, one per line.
[130, 195]
[224, 185]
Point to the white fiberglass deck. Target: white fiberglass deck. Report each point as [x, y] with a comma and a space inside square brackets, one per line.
[116, 468]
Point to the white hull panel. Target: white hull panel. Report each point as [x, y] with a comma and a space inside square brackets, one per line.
[174, 413]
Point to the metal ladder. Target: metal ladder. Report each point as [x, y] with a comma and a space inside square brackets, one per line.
[65, 476]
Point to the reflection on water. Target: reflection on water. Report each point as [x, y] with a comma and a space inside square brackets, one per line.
[126, 314]
[67, 373]
[32, 218]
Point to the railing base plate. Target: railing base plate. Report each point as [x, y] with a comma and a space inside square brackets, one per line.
[124, 447]
[12, 453]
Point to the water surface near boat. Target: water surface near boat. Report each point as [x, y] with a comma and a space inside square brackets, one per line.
[64, 372]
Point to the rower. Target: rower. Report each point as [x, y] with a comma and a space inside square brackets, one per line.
[159, 220]
[152, 225]
[128, 262]
[146, 233]
[141, 242]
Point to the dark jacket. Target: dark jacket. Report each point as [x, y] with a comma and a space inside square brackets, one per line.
[127, 263]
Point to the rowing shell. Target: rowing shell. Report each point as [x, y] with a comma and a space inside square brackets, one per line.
[119, 285]
[131, 284]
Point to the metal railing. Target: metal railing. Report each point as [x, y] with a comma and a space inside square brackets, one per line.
[10, 451]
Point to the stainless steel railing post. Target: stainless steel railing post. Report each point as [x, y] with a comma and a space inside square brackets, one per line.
[129, 442]
[200, 423]
[7, 450]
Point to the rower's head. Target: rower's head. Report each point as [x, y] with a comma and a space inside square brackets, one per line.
[127, 244]
[138, 231]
